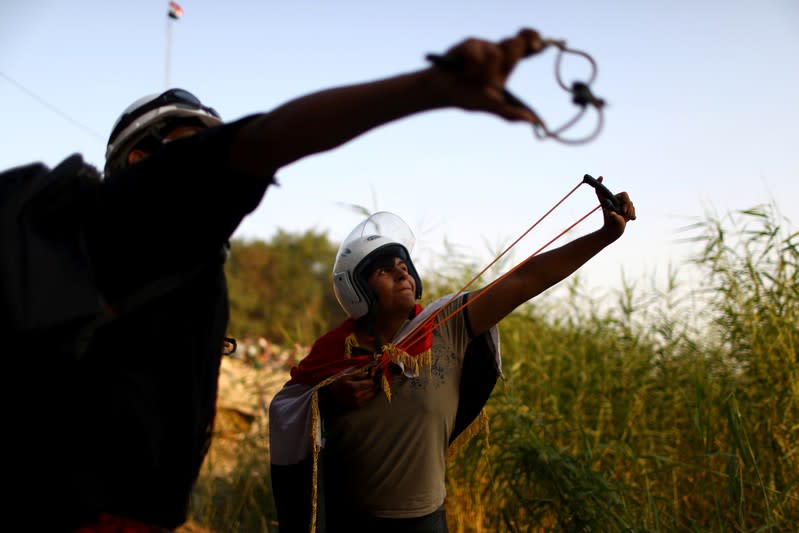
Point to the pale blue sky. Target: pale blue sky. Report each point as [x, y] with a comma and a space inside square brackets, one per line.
[702, 109]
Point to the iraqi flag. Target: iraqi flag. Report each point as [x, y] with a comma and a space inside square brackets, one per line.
[175, 11]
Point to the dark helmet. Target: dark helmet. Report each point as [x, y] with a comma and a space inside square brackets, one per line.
[149, 113]
[382, 234]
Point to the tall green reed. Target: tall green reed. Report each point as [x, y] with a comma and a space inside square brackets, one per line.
[673, 409]
[633, 419]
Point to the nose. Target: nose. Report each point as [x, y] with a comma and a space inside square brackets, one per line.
[400, 274]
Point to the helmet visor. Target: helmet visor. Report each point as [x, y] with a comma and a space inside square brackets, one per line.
[381, 224]
[173, 97]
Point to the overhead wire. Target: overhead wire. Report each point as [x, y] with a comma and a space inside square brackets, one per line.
[52, 107]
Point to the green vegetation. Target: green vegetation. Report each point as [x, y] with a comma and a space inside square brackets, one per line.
[281, 289]
[675, 411]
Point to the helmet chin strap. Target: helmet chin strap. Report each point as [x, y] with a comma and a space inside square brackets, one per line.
[369, 322]
[371, 327]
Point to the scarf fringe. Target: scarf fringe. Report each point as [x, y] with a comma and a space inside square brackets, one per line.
[349, 343]
[479, 425]
[386, 385]
[316, 420]
[414, 363]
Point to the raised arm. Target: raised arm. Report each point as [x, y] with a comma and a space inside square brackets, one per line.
[326, 119]
[545, 270]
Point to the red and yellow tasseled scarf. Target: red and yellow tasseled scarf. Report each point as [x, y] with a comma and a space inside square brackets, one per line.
[331, 354]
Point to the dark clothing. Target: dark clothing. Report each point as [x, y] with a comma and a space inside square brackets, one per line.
[435, 522]
[106, 523]
[127, 426]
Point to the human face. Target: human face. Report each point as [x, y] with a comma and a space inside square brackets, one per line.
[184, 130]
[178, 132]
[394, 287]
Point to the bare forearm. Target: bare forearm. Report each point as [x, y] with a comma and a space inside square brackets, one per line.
[547, 269]
[531, 279]
[326, 119]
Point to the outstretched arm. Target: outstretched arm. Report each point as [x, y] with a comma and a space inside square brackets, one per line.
[545, 270]
[326, 119]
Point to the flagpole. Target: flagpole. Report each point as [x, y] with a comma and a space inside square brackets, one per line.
[174, 13]
[168, 51]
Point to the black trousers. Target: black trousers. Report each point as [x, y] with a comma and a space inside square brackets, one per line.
[343, 522]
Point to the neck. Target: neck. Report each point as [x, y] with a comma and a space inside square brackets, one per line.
[386, 327]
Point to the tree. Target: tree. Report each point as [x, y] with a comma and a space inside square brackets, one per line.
[282, 289]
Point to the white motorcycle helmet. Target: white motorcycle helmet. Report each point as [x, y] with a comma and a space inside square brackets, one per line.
[150, 113]
[380, 234]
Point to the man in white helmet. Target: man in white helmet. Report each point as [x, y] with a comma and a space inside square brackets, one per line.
[395, 385]
[132, 397]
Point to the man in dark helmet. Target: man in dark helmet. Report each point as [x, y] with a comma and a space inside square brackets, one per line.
[131, 400]
[152, 120]
[144, 394]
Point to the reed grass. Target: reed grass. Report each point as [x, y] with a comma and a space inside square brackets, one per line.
[670, 410]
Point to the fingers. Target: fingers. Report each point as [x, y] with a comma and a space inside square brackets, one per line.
[362, 389]
[534, 42]
[526, 43]
[354, 390]
[358, 382]
[512, 50]
[362, 381]
[481, 69]
[483, 60]
[627, 206]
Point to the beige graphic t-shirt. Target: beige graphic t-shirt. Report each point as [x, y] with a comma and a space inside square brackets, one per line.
[390, 456]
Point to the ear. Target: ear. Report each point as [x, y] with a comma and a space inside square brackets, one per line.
[136, 155]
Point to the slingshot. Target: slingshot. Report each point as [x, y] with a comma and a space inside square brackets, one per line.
[580, 92]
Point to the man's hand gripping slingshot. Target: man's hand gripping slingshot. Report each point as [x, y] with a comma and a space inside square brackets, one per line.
[580, 91]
